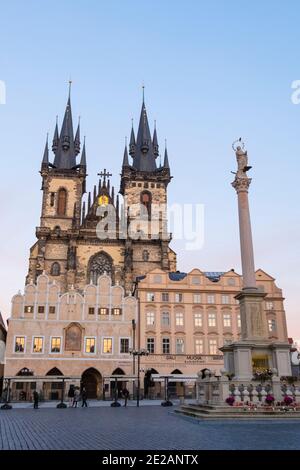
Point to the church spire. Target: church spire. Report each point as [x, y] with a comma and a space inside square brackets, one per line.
[125, 158]
[55, 138]
[45, 161]
[144, 157]
[166, 159]
[65, 154]
[83, 156]
[77, 139]
[155, 142]
[132, 142]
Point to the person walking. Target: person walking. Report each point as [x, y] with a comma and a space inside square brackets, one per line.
[35, 400]
[84, 397]
[125, 393]
[76, 397]
[71, 395]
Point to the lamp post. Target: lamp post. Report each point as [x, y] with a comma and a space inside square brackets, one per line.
[62, 404]
[138, 353]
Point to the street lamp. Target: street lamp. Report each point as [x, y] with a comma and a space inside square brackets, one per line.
[62, 404]
[138, 353]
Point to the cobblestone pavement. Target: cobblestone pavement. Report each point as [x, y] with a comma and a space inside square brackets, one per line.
[147, 428]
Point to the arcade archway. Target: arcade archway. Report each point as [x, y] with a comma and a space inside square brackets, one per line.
[91, 380]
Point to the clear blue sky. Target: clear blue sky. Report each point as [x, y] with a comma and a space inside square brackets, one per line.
[213, 71]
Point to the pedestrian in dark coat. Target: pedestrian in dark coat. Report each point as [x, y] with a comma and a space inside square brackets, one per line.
[35, 400]
[84, 397]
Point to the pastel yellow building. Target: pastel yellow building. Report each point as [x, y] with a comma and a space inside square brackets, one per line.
[186, 318]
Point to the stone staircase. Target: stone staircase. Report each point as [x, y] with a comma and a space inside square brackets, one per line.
[220, 412]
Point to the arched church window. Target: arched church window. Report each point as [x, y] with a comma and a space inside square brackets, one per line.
[146, 201]
[55, 269]
[99, 264]
[62, 202]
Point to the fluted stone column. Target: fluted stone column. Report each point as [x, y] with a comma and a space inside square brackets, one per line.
[253, 321]
[241, 185]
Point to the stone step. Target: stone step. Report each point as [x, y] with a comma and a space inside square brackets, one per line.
[231, 413]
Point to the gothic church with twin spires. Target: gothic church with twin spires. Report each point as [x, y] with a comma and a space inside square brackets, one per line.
[68, 249]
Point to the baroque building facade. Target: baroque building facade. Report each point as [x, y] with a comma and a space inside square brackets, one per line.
[186, 317]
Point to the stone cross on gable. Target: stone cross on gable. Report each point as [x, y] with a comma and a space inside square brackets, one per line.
[105, 174]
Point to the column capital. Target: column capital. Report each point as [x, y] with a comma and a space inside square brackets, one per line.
[241, 184]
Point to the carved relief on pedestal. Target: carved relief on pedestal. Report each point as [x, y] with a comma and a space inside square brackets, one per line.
[257, 327]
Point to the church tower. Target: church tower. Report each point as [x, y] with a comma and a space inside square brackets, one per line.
[144, 186]
[70, 247]
[63, 185]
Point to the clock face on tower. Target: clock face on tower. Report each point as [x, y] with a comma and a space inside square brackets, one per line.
[103, 200]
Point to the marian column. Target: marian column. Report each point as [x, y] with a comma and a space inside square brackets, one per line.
[241, 185]
[254, 348]
[253, 320]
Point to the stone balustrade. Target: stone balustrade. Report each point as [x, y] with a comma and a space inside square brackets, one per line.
[214, 390]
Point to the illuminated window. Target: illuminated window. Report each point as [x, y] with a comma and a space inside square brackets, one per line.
[227, 320]
[210, 299]
[91, 310]
[179, 345]
[179, 319]
[117, 311]
[212, 346]
[62, 202]
[28, 309]
[178, 297]
[165, 319]
[269, 305]
[211, 319]
[272, 324]
[103, 311]
[124, 345]
[239, 320]
[197, 298]
[166, 345]
[55, 344]
[150, 297]
[198, 346]
[51, 309]
[107, 345]
[225, 299]
[198, 319]
[150, 345]
[150, 318]
[20, 344]
[90, 345]
[38, 344]
[165, 297]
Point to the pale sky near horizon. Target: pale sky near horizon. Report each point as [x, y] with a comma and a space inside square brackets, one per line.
[213, 71]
